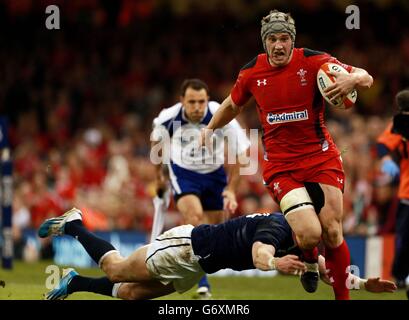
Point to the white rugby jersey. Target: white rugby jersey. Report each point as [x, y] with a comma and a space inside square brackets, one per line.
[172, 125]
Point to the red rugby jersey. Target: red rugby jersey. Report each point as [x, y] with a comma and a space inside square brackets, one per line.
[290, 108]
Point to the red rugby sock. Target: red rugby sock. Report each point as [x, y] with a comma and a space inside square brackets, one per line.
[310, 255]
[337, 260]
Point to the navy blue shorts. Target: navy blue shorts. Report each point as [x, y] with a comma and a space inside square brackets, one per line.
[207, 186]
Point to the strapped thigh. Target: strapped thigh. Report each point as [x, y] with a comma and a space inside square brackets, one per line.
[317, 195]
[310, 196]
[295, 200]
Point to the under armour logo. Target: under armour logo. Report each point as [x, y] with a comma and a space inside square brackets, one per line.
[341, 181]
[261, 82]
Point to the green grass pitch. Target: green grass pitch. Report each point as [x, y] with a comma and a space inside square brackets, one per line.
[27, 282]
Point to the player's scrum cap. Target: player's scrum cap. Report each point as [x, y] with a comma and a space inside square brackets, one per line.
[277, 22]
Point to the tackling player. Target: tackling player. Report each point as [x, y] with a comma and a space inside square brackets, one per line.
[178, 258]
[302, 167]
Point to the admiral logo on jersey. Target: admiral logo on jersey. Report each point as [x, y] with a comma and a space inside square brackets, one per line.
[273, 118]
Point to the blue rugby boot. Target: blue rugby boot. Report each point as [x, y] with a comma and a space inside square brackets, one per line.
[60, 292]
[55, 226]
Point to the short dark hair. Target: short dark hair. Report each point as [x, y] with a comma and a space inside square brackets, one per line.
[402, 100]
[195, 84]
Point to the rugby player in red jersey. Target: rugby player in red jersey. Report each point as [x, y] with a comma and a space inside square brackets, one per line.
[302, 167]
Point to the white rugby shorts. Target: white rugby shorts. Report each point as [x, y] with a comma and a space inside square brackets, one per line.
[170, 258]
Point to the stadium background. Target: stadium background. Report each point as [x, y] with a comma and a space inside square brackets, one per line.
[80, 103]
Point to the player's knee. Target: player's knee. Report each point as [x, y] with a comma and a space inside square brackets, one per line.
[309, 238]
[112, 273]
[309, 241]
[333, 235]
[194, 218]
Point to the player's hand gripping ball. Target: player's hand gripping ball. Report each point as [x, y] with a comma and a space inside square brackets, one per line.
[325, 79]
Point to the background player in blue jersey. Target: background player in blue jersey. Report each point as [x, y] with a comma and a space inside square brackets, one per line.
[178, 258]
[202, 191]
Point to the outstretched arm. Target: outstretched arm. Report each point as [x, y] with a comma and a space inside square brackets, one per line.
[375, 285]
[227, 111]
[263, 259]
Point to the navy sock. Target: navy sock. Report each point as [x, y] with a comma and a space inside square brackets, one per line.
[96, 285]
[95, 246]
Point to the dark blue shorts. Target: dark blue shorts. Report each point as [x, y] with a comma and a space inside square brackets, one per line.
[208, 186]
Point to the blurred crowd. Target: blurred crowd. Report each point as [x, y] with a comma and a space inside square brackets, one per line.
[81, 100]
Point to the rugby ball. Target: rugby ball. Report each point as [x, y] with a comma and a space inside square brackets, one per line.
[324, 80]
